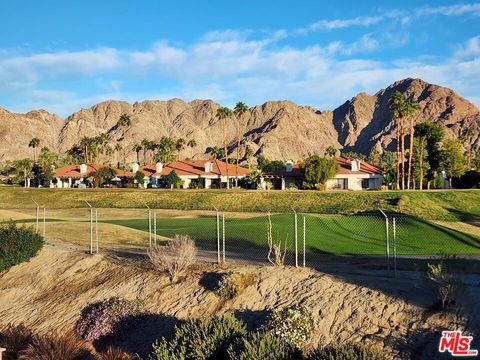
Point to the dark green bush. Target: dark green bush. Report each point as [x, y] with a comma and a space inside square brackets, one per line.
[201, 339]
[345, 352]
[17, 244]
[262, 346]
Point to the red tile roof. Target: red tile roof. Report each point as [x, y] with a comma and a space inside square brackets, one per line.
[194, 167]
[344, 163]
[73, 171]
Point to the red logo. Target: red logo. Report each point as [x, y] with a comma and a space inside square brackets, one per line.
[456, 344]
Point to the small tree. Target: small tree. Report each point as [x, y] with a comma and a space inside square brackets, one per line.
[330, 151]
[140, 177]
[174, 258]
[453, 159]
[275, 255]
[318, 170]
[103, 174]
[253, 179]
[172, 179]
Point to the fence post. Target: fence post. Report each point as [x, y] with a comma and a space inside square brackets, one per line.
[394, 224]
[96, 226]
[223, 236]
[155, 227]
[91, 226]
[304, 238]
[44, 223]
[36, 215]
[296, 236]
[149, 225]
[387, 235]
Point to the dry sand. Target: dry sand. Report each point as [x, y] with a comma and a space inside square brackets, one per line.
[50, 291]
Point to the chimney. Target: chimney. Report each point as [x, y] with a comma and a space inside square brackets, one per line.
[135, 167]
[289, 166]
[83, 169]
[356, 163]
[208, 166]
[159, 167]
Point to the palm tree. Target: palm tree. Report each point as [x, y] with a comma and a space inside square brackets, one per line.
[118, 147]
[217, 153]
[411, 107]
[89, 147]
[330, 151]
[240, 109]
[152, 146]
[124, 122]
[223, 114]
[467, 136]
[137, 148]
[145, 144]
[25, 167]
[34, 144]
[249, 156]
[109, 152]
[101, 141]
[397, 106]
[180, 146]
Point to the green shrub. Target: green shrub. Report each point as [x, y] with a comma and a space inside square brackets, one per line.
[233, 284]
[201, 339]
[294, 324]
[262, 346]
[345, 352]
[445, 282]
[17, 244]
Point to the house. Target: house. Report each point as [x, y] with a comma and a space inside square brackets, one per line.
[353, 174]
[203, 174]
[76, 175]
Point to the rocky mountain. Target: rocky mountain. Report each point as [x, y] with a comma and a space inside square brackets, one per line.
[276, 129]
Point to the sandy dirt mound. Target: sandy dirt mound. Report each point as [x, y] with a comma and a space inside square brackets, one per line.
[51, 290]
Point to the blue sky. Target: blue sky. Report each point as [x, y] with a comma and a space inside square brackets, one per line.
[65, 55]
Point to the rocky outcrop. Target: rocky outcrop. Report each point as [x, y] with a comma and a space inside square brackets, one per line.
[276, 129]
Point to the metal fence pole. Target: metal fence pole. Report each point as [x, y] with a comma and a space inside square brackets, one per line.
[36, 215]
[218, 237]
[44, 221]
[96, 227]
[387, 235]
[296, 236]
[91, 226]
[149, 225]
[304, 239]
[394, 224]
[223, 236]
[155, 227]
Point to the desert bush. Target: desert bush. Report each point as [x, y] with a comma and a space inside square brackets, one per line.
[14, 338]
[107, 317]
[55, 346]
[293, 324]
[445, 282]
[175, 257]
[112, 353]
[201, 339]
[262, 346]
[233, 284]
[17, 244]
[275, 255]
[345, 352]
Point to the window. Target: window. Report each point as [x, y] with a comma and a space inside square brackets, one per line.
[365, 183]
[340, 184]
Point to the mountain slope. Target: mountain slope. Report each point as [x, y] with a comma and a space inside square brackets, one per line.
[276, 129]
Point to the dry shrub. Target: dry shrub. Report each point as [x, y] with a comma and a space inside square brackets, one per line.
[445, 281]
[234, 284]
[275, 255]
[55, 346]
[14, 338]
[175, 257]
[113, 353]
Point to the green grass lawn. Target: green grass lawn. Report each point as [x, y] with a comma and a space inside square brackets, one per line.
[339, 235]
[461, 205]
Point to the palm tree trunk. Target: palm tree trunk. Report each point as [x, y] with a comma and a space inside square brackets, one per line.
[420, 183]
[225, 148]
[398, 157]
[238, 158]
[410, 152]
[402, 148]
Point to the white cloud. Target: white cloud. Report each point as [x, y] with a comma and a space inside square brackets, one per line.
[340, 23]
[470, 48]
[451, 10]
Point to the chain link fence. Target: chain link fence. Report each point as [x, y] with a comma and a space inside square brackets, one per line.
[326, 242]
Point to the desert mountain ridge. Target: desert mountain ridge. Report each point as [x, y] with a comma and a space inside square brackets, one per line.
[276, 129]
